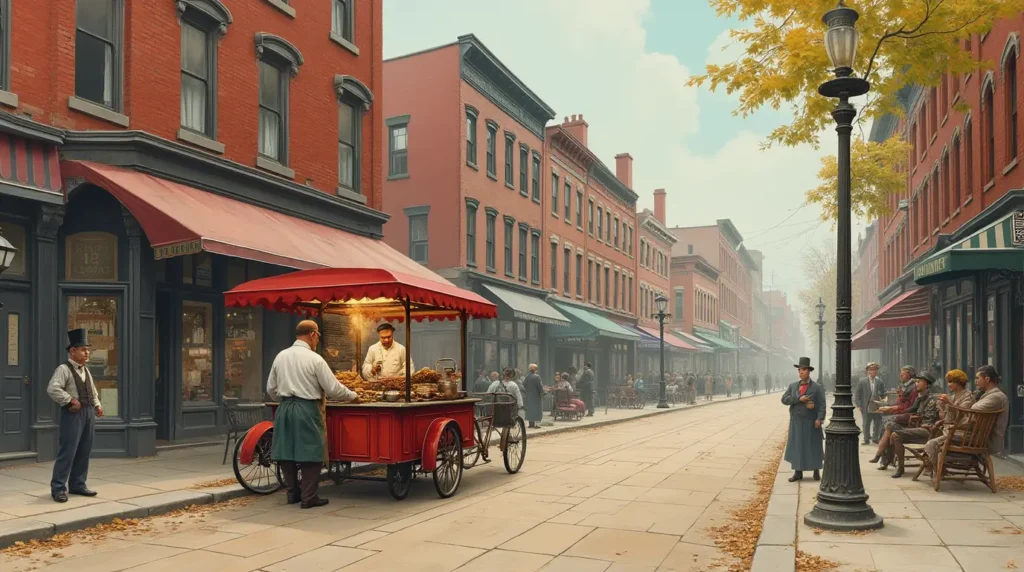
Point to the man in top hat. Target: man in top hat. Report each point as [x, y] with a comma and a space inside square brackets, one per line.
[385, 358]
[806, 401]
[73, 389]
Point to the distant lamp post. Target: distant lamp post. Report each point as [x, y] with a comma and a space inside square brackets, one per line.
[842, 503]
[662, 303]
[821, 325]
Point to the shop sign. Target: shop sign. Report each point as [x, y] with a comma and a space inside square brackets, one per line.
[931, 267]
[1017, 223]
[178, 249]
[573, 340]
[91, 257]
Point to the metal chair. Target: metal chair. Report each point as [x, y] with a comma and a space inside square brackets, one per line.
[241, 417]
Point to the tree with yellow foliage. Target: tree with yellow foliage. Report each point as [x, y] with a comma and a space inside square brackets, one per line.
[902, 43]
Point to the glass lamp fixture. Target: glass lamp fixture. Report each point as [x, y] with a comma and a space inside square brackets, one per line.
[841, 39]
[7, 252]
[661, 302]
[821, 310]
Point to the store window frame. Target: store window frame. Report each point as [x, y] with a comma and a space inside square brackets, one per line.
[5, 54]
[119, 291]
[492, 149]
[510, 143]
[116, 42]
[524, 169]
[211, 18]
[276, 52]
[398, 159]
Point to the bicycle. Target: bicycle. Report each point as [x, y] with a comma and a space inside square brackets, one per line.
[500, 413]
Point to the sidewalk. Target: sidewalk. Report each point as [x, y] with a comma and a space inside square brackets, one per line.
[139, 487]
[962, 527]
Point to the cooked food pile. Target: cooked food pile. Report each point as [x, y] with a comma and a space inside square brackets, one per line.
[425, 385]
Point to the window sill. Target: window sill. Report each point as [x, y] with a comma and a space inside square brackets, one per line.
[200, 141]
[1010, 167]
[470, 264]
[350, 194]
[935, 232]
[522, 279]
[535, 282]
[956, 97]
[472, 165]
[968, 200]
[942, 123]
[492, 270]
[579, 228]
[510, 275]
[9, 99]
[989, 186]
[398, 177]
[536, 200]
[492, 176]
[955, 214]
[945, 221]
[98, 111]
[274, 167]
[932, 140]
[524, 194]
[555, 215]
[338, 39]
[510, 186]
[568, 221]
[289, 10]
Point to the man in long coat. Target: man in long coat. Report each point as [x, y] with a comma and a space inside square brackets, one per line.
[806, 401]
[534, 387]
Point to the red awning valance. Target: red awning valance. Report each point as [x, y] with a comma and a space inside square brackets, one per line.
[911, 308]
[30, 165]
[179, 219]
[868, 338]
[670, 339]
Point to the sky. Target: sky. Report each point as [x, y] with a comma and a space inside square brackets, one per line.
[624, 65]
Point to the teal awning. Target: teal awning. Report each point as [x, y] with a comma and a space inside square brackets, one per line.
[524, 306]
[588, 326]
[751, 344]
[715, 341]
[995, 247]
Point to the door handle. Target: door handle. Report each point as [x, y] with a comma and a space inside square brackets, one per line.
[26, 381]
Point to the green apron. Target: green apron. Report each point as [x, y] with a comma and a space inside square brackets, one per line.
[299, 432]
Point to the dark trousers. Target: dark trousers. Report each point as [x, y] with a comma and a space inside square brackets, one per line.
[872, 427]
[308, 485]
[71, 468]
[587, 396]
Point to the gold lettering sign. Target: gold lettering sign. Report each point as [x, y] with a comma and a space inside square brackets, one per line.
[178, 249]
[931, 267]
[13, 337]
[91, 257]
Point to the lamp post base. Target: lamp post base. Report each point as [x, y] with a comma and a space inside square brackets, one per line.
[662, 404]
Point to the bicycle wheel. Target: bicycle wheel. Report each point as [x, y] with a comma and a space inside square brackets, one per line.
[399, 479]
[260, 476]
[448, 474]
[471, 456]
[514, 451]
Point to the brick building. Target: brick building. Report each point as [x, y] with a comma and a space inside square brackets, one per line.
[198, 148]
[865, 302]
[950, 251]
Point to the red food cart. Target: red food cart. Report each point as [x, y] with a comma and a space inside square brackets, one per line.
[409, 436]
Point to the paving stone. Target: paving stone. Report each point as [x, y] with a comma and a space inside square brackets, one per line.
[548, 538]
[87, 516]
[505, 560]
[323, 559]
[778, 531]
[173, 500]
[956, 511]
[774, 559]
[22, 530]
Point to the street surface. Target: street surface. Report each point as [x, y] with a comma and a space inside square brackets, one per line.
[634, 496]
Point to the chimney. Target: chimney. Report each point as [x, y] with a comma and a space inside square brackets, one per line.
[659, 205]
[577, 127]
[624, 169]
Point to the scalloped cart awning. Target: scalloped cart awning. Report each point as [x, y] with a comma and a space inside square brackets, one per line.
[999, 246]
[911, 308]
[587, 326]
[180, 220]
[525, 307]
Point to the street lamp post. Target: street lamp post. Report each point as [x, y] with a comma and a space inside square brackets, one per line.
[842, 503]
[661, 302]
[821, 324]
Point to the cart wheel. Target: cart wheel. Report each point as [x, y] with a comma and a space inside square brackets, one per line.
[399, 480]
[514, 451]
[472, 455]
[261, 475]
[448, 473]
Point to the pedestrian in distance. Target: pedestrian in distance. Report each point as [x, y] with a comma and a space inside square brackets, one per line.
[72, 387]
[869, 391]
[534, 388]
[806, 401]
[585, 387]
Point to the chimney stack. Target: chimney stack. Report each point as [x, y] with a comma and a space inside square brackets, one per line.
[577, 127]
[659, 205]
[624, 169]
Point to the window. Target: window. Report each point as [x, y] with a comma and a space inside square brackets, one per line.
[523, 230]
[198, 70]
[554, 194]
[243, 363]
[492, 168]
[630, 309]
[5, 46]
[607, 276]
[590, 280]
[565, 270]
[915, 153]
[579, 274]
[567, 200]
[629, 246]
[272, 113]
[524, 170]
[398, 147]
[536, 177]
[98, 60]
[933, 105]
[492, 216]
[279, 61]
[679, 305]
[348, 144]
[418, 237]
[554, 266]
[510, 142]
[608, 226]
[579, 209]
[597, 285]
[535, 257]
[341, 21]
[471, 136]
[590, 217]
[947, 189]
[600, 222]
[615, 282]
[616, 243]
[969, 157]
[471, 208]
[1011, 105]
[509, 238]
[957, 188]
[988, 105]
[944, 95]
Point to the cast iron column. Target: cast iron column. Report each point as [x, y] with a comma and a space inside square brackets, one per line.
[662, 402]
[821, 325]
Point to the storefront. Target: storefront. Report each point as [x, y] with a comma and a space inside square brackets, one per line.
[678, 353]
[703, 360]
[594, 338]
[897, 333]
[726, 352]
[978, 289]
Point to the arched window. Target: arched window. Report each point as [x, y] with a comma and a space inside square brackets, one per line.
[1009, 79]
[989, 114]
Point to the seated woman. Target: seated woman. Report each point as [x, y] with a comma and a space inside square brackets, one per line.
[927, 406]
[899, 412]
[961, 397]
[565, 385]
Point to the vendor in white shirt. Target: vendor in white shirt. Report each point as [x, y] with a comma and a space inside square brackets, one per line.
[385, 358]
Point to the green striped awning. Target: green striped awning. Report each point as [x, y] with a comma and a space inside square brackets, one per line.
[999, 246]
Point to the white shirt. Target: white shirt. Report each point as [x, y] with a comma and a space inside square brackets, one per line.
[62, 388]
[510, 387]
[301, 372]
[393, 359]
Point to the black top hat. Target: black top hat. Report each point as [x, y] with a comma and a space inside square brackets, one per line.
[927, 377]
[385, 326]
[805, 363]
[78, 338]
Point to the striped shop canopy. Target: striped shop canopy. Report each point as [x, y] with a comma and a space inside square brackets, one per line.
[999, 246]
[911, 308]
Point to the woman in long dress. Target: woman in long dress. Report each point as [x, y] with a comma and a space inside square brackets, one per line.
[806, 401]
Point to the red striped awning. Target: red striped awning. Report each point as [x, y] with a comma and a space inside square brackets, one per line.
[29, 164]
[868, 338]
[911, 308]
[670, 339]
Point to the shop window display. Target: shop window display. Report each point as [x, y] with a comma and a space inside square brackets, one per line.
[99, 315]
[243, 353]
[197, 351]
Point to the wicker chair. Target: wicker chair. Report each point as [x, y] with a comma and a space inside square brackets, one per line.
[965, 453]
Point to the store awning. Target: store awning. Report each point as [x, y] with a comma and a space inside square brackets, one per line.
[995, 247]
[525, 307]
[752, 344]
[868, 338]
[670, 340]
[693, 340]
[180, 220]
[911, 308]
[588, 326]
[715, 341]
[30, 169]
